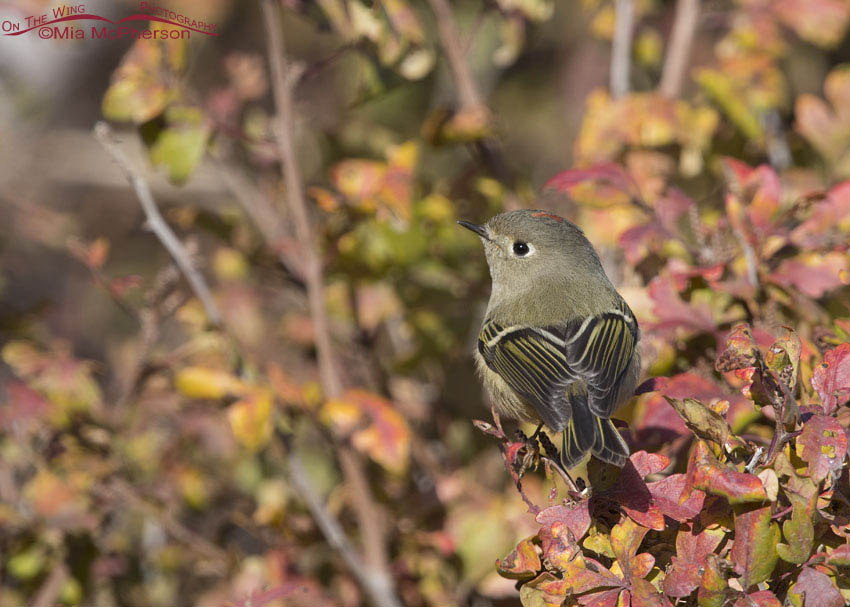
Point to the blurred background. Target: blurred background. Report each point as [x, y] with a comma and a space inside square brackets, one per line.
[303, 435]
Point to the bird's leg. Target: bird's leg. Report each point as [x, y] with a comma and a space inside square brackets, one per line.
[533, 437]
[553, 458]
[572, 488]
[496, 419]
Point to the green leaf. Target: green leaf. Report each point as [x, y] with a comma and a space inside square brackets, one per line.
[704, 422]
[179, 149]
[799, 532]
[144, 83]
[754, 550]
[721, 89]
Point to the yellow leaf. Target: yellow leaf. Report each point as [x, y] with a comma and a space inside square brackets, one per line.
[340, 415]
[251, 420]
[193, 487]
[378, 429]
[272, 496]
[230, 264]
[201, 382]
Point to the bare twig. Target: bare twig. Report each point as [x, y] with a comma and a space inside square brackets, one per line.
[778, 151]
[470, 96]
[283, 80]
[621, 52]
[754, 460]
[565, 476]
[157, 224]
[120, 490]
[49, 591]
[679, 49]
[335, 535]
[749, 258]
[262, 213]
[374, 577]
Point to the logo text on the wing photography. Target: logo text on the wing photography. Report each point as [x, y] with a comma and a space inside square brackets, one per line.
[67, 22]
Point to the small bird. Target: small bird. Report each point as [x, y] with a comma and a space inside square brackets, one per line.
[558, 345]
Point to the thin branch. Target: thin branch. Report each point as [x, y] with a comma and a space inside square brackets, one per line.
[263, 215]
[754, 460]
[375, 576]
[470, 96]
[621, 53]
[121, 491]
[48, 593]
[778, 151]
[283, 79]
[749, 258]
[335, 535]
[157, 224]
[679, 50]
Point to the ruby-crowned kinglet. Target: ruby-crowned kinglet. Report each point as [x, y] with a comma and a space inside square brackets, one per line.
[558, 344]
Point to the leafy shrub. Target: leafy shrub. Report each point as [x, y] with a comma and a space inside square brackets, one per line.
[152, 456]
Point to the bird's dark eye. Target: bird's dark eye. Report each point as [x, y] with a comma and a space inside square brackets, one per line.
[520, 249]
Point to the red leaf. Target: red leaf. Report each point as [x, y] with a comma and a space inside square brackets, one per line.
[644, 594]
[831, 378]
[606, 172]
[823, 445]
[761, 598]
[606, 598]
[761, 185]
[672, 207]
[736, 171]
[638, 241]
[649, 463]
[23, 404]
[687, 566]
[673, 313]
[814, 274]
[576, 517]
[820, 229]
[817, 589]
[708, 474]
[668, 494]
[840, 556]
[671, 210]
[632, 495]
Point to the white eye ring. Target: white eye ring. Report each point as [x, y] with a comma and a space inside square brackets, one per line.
[528, 252]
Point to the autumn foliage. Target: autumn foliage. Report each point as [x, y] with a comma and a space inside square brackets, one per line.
[743, 500]
[306, 436]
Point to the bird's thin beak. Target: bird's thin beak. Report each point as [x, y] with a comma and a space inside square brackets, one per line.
[480, 230]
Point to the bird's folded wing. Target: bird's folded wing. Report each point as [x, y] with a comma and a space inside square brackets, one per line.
[532, 361]
[599, 350]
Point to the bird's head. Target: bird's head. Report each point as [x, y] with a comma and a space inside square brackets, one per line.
[530, 247]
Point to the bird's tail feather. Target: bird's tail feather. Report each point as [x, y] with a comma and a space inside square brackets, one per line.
[608, 445]
[578, 436]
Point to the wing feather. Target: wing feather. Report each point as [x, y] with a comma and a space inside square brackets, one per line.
[599, 350]
[533, 362]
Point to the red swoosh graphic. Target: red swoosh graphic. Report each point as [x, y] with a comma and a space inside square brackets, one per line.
[90, 17]
[68, 18]
[140, 17]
